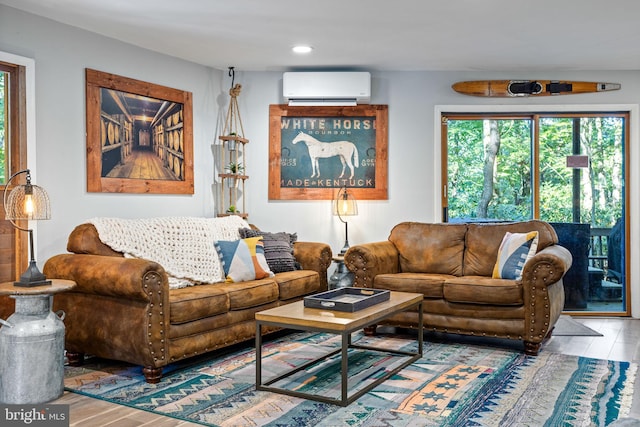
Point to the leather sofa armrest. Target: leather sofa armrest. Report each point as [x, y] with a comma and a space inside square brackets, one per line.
[543, 291]
[547, 266]
[128, 278]
[314, 256]
[368, 260]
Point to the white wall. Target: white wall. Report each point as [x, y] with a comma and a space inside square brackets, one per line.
[61, 54]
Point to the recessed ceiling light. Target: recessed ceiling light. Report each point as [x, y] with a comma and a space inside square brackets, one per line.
[302, 49]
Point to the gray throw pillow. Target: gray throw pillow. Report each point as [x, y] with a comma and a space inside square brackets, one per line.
[278, 248]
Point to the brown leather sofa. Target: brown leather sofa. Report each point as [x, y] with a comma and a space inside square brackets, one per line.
[123, 309]
[452, 265]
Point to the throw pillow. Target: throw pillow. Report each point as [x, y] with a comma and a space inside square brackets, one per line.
[282, 235]
[515, 250]
[243, 260]
[278, 248]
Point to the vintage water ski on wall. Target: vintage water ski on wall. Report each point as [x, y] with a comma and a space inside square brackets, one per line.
[514, 88]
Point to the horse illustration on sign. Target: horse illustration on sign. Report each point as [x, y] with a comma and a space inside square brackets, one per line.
[345, 150]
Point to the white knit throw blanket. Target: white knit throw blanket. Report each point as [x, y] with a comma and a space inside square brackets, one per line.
[183, 246]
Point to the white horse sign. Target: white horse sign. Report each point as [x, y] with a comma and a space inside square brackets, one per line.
[316, 150]
[324, 148]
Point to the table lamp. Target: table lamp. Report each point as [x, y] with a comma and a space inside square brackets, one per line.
[27, 202]
[345, 205]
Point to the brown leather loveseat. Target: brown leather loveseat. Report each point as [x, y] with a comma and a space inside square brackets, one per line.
[452, 264]
[122, 308]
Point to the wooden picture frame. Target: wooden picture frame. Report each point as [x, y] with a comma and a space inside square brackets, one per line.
[139, 136]
[339, 138]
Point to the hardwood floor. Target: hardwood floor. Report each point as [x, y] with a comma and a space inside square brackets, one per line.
[620, 341]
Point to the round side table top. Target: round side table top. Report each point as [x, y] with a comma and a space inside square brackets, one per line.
[57, 285]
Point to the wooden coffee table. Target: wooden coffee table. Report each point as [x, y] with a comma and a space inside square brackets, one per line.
[298, 317]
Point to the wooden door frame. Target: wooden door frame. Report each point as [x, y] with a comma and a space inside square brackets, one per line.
[16, 148]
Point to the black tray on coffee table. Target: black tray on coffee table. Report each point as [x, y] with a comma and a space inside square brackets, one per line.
[348, 299]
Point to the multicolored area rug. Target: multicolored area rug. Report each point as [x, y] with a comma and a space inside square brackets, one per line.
[451, 385]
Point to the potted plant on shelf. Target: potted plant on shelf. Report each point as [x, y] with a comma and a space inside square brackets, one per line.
[236, 169]
[232, 209]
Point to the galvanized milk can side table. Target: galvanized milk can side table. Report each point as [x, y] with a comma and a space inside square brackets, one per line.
[32, 345]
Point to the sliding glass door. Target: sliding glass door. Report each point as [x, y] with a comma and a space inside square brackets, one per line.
[566, 169]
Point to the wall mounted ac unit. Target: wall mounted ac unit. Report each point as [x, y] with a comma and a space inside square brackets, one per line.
[327, 88]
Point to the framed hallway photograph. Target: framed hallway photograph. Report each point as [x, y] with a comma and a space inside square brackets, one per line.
[314, 151]
[139, 136]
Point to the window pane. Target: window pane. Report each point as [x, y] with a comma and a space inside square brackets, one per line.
[556, 135]
[489, 169]
[581, 170]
